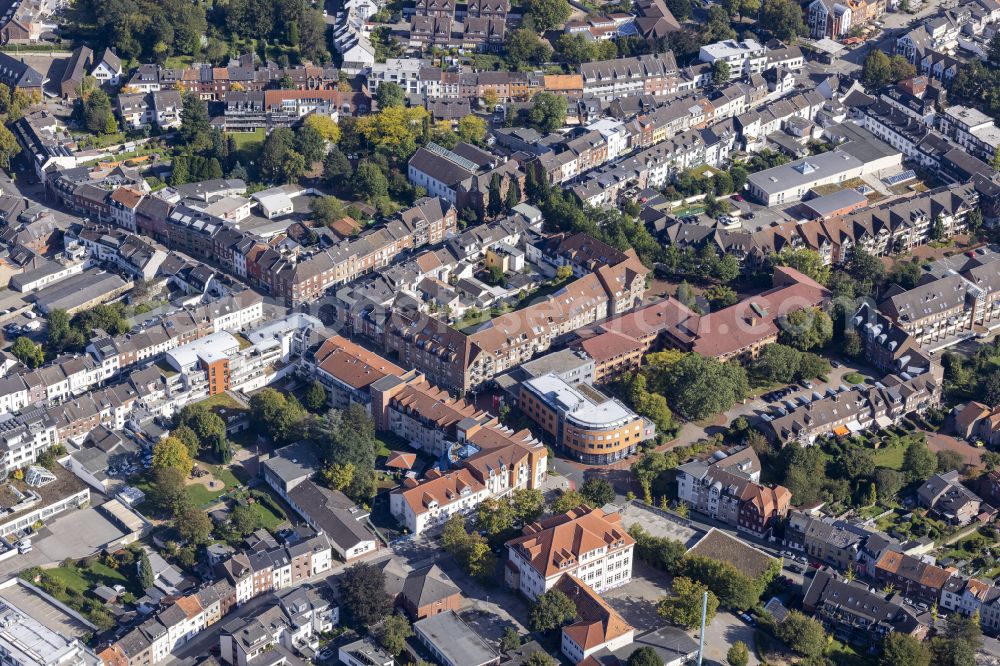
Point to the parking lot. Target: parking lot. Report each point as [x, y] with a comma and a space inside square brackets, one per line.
[27, 600]
[658, 525]
[74, 534]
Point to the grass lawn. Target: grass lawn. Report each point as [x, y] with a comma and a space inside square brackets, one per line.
[179, 61]
[247, 140]
[268, 519]
[854, 378]
[82, 580]
[890, 456]
[222, 400]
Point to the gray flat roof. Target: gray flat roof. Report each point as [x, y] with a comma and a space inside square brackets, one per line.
[69, 294]
[453, 638]
[829, 203]
[805, 171]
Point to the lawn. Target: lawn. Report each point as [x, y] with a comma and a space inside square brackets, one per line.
[248, 140]
[269, 520]
[854, 378]
[81, 580]
[222, 400]
[890, 456]
[179, 62]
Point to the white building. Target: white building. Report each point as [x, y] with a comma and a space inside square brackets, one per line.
[25, 641]
[744, 58]
[588, 543]
[424, 505]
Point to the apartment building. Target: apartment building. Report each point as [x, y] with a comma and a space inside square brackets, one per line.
[972, 129]
[953, 307]
[851, 609]
[654, 74]
[913, 577]
[589, 544]
[744, 58]
[727, 488]
[420, 506]
[26, 641]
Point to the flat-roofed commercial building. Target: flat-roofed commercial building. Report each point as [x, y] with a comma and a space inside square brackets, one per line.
[590, 426]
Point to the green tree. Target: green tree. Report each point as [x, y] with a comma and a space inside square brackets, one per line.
[389, 94]
[472, 129]
[683, 605]
[339, 476]
[888, 483]
[783, 19]
[720, 73]
[739, 654]
[900, 68]
[528, 504]
[551, 611]
[776, 363]
[189, 437]
[97, 114]
[393, 632]
[575, 48]
[540, 659]
[700, 386]
[850, 344]
[194, 526]
[802, 634]
[315, 398]
[362, 595]
[717, 27]
[8, 146]
[548, 110]
[511, 640]
[807, 262]
[28, 352]
[567, 501]
[309, 143]
[145, 576]
[336, 167]
[171, 452]
[877, 70]
[275, 153]
[195, 125]
[275, 415]
[369, 181]
[495, 515]
[899, 649]
[244, 520]
[644, 656]
[548, 14]
[524, 47]
[919, 462]
[597, 491]
[806, 328]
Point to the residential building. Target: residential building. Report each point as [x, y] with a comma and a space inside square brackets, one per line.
[851, 611]
[420, 506]
[727, 488]
[948, 499]
[597, 625]
[743, 58]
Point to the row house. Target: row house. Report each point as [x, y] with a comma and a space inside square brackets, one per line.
[853, 611]
[654, 74]
[428, 504]
[459, 362]
[913, 577]
[291, 626]
[972, 129]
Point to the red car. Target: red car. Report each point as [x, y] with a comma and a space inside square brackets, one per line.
[737, 197]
